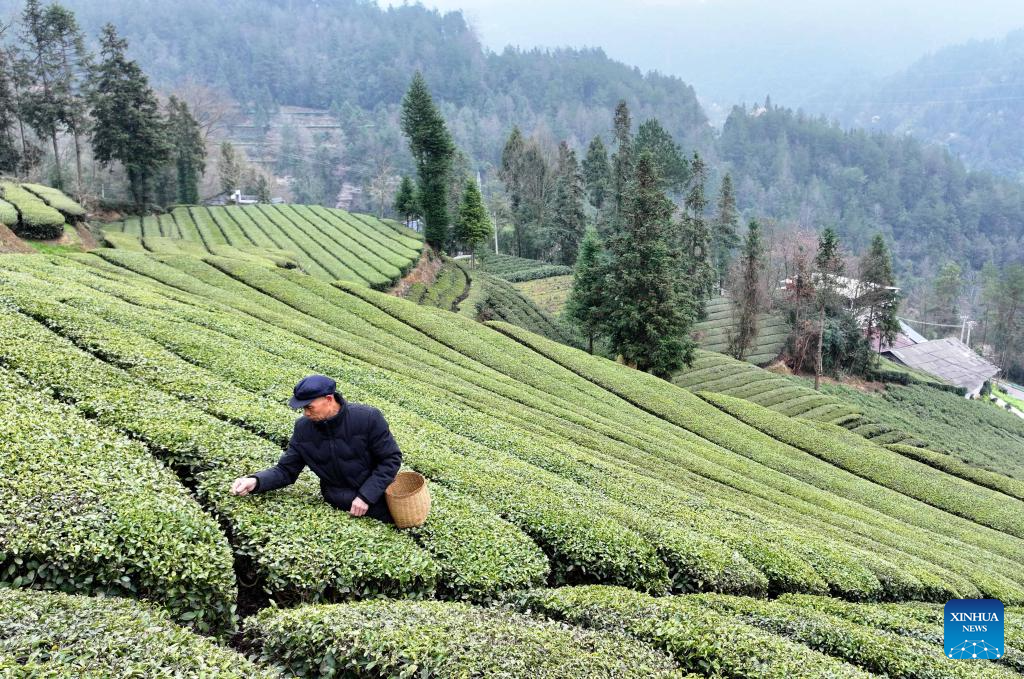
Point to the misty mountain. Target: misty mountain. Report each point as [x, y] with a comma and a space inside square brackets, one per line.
[968, 98]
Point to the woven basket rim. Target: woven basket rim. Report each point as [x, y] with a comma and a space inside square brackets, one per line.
[419, 482]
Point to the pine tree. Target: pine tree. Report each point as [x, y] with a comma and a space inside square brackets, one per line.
[433, 150]
[473, 226]
[724, 238]
[263, 189]
[881, 302]
[622, 164]
[20, 82]
[44, 97]
[586, 303]
[672, 166]
[946, 292]
[751, 296]
[406, 201]
[188, 151]
[10, 157]
[74, 64]
[597, 173]
[569, 220]
[828, 265]
[127, 125]
[695, 239]
[230, 169]
[647, 320]
[512, 175]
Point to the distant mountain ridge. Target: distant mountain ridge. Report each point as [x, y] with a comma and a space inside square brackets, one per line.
[968, 98]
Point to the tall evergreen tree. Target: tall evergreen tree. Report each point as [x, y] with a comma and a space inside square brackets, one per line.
[882, 303]
[263, 189]
[187, 150]
[695, 238]
[74, 64]
[569, 219]
[406, 201]
[750, 297]
[473, 226]
[512, 173]
[597, 173]
[828, 268]
[230, 168]
[127, 125]
[1004, 294]
[433, 150]
[622, 163]
[10, 157]
[586, 303]
[46, 93]
[724, 237]
[646, 321]
[946, 292]
[672, 166]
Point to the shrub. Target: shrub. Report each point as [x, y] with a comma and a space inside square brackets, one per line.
[38, 220]
[301, 546]
[442, 639]
[698, 638]
[478, 553]
[84, 510]
[973, 431]
[843, 449]
[8, 215]
[330, 244]
[951, 465]
[48, 634]
[877, 651]
[57, 199]
[123, 241]
[779, 468]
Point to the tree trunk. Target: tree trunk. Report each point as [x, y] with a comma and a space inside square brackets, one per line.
[78, 162]
[821, 336]
[590, 343]
[24, 147]
[56, 161]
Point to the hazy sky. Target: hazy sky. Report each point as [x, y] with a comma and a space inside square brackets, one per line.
[740, 50]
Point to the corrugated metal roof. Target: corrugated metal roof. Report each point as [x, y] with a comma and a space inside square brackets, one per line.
[914, 336]
[950, 359]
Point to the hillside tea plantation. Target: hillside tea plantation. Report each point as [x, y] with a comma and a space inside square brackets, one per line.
[326, 243]
[588, 520]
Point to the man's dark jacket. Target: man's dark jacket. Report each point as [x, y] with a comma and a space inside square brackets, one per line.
[353, 453]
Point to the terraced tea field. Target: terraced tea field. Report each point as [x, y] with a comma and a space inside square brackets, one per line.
[493, 298]
[550, 294]
[716, 332]
[450, 287]
[35, 211]
[649, 522]
[517, 269]
[329, 244]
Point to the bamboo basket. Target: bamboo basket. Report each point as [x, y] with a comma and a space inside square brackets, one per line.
[408, 499]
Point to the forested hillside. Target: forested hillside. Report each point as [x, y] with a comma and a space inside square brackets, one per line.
[356, 59]
[968, 98]
[793, 167]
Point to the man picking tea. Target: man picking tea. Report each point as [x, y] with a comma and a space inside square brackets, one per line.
[347, 445]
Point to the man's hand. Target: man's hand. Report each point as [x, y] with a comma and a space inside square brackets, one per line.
[243, 485]
[358, 507]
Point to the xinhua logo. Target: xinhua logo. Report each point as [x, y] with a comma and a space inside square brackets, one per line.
[973, 629]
